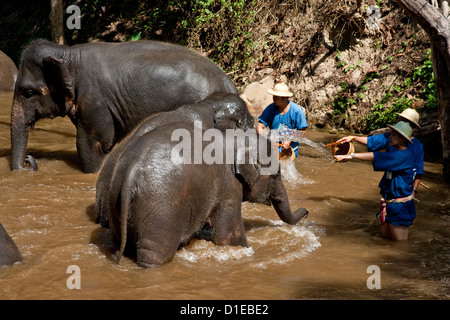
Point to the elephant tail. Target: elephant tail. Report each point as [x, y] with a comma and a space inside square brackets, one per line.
[125, 200]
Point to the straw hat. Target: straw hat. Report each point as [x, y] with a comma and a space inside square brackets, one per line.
[280, 89]
[410, 115]
[403, 128]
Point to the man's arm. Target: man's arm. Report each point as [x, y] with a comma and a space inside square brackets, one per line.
[260, 127]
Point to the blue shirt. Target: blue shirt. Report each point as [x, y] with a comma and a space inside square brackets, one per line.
[398, 179]
[294, 118]
[381, 142]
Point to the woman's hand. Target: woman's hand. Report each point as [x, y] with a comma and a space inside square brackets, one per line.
[345, 139]
[343, 158]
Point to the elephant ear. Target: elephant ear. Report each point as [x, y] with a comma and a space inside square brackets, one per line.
[57, 74]
[246, 169]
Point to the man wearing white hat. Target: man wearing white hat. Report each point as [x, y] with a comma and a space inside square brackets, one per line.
[283, 114]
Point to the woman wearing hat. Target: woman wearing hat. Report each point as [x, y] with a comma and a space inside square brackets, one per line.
[381, 142]
[398, 210]
[283, 114]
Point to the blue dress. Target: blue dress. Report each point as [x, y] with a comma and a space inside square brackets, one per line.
[294, 118]
[397, 182]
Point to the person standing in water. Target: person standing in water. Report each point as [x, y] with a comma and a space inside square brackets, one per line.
[381, 142]
[283, 114]
[397, 205]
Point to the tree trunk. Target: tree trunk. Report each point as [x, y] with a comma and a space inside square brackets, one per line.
[438, 29]
[57, 21]
[441, 69]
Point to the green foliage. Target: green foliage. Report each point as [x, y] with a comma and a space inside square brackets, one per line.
[395, 98]
[382, 115]
[424, 74]
[385, 111]
[220, 27]
[344, 99]
[224, 29]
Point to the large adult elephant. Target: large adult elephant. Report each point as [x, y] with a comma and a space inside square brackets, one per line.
[159, 195]
[107, 89]
[8, 73]
[9, 253]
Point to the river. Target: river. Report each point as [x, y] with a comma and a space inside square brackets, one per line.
[330, 255]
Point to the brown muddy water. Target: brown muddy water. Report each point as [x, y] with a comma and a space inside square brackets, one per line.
[330, 255]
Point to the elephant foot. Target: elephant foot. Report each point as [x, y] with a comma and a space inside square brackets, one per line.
[29, 160]
[153, 254]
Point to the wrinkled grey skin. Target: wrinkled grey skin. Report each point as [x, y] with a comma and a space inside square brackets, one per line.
[107, 89]
[9, 253]
[217, 111]
[155, 205]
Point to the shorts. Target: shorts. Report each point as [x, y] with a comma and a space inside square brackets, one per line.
[401, 214]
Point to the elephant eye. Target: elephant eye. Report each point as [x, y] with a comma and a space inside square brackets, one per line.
[28, 93]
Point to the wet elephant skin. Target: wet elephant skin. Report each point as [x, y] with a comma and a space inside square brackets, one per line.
[107, 89]
[155, 205]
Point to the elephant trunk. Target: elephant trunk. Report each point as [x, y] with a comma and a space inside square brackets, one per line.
[280, 202]
[19, 138]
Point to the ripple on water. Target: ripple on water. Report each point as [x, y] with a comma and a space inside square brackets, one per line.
[275, 243]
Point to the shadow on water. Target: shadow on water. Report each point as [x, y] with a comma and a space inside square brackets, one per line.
[101, 237]
[69, 157]
[252, 223]
[413, 269]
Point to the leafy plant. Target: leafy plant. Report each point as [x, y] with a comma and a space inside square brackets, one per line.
[395, 99]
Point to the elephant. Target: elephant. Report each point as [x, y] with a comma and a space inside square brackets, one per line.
[156, 200]
[9, 253]
[204, 112]
[107, 89]
[8, 73]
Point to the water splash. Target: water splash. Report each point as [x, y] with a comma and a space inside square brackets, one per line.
[297, 136]
[273, 235]
[290, 174]
[304, 237]
[205, 250]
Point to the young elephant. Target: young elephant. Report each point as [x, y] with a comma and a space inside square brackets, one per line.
[9, 253]
[160, 199]
[217, 111]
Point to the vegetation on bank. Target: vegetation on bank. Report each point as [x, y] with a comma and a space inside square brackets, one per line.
[243, 37]
[395, 99]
